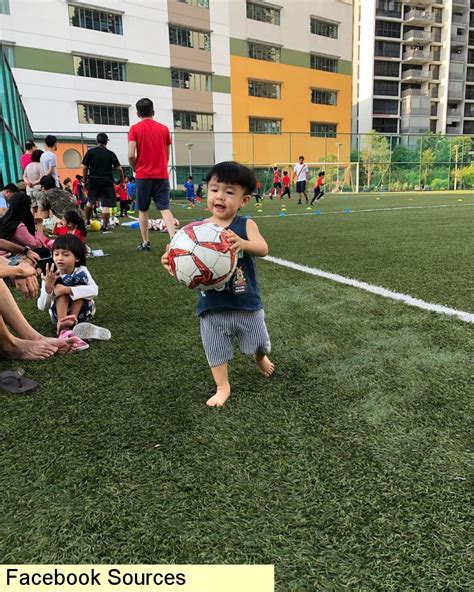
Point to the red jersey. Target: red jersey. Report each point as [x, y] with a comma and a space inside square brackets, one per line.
[276, 176]
[319, 182]
[152, 140]
[25, 160]
[61, 230]
[286, 181]
[121, 192]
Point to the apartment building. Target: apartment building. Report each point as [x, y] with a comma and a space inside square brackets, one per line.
[411, 61]
[291, 71]
[229, 77]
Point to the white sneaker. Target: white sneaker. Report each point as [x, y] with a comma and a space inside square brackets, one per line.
[89, 331]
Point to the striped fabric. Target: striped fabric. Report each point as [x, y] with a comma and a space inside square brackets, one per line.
[218, 330]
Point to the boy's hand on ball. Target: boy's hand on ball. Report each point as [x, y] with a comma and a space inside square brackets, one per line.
[164, 261]
[236, 241]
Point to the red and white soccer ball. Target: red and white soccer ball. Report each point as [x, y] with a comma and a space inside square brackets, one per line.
[200, 256]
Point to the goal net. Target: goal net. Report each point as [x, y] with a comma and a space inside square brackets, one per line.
[339, 176]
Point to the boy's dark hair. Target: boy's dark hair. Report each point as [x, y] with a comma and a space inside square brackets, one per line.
[36, 155]
[102, 138]
[47, 182]
[11, 187]
[190, 177]
[79, 177]
[234, 173]
[69, 242]
[275, 168]
[29, 144]
[50, 141]
[321, 173]
[67, 180]
[145, 108]
[285, 172]
[74, 217]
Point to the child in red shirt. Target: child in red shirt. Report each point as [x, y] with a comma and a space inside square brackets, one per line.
[122, 195]
[276, 183]
[72, 223]
[286, 185]
[319, 188]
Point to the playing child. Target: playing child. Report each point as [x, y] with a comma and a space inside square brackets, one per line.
[236, 311]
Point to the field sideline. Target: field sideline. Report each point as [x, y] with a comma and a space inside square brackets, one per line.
[348, 469]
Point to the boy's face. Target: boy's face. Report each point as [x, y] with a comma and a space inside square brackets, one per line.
[224, 200]
[65, 260]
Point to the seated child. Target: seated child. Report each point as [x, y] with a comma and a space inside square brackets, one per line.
[68, 289]
[237, 310]
[71, 223]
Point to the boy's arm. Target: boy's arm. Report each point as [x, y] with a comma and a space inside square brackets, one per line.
[88, 291]
[44, 301]
[255, 244]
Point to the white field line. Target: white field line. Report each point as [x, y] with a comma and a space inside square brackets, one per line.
[337, 212]
[367, 210]
[405, 298]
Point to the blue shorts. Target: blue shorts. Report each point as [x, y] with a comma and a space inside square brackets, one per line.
[157, 190]
[300, 186]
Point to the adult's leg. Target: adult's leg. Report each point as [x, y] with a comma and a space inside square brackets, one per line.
[88, 212]
[143, 220]
[168, 219]
[105, 218]
[14, 348]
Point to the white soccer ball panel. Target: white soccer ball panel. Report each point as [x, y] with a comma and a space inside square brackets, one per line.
[208, 256]
[182, 241]
[186, 268]
[208, 233]
[223, 265]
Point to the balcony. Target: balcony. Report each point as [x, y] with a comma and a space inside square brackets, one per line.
[459, 19]
[419, 17]
[415, 76]
[455, 90]
[458, 58]
[414, 37]
[421, 2]
[396, 14]
[453, 114]
[412, 92]
[462, 3]
[417, 56]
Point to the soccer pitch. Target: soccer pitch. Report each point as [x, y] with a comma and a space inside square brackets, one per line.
[348, 469]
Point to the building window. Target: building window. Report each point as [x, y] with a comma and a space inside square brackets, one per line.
[389, 8]
[4, 7]
[323, 97]
[200, 3]
[266, 90]
[386, 87]
[324, 63]
[324, 130]
[268, 53]
[97, 20]
[385, 107]
[265, 14]
[385, 126]
[99, 68]
[387, 49]
[190, 80]
[9, 54]
[390, 69]
[197, 122]
[469, 127]
[258, 125]
[324, 28]
[103, 114]
[387, 29]
[470, 93]
[190, 38]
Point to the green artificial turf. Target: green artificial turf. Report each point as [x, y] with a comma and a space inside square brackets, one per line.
[348, 469]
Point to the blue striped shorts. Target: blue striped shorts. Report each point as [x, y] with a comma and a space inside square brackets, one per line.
[218, 330]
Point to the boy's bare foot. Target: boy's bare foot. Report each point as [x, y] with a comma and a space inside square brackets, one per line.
[221, 396]
[264, 365]
[23, 349]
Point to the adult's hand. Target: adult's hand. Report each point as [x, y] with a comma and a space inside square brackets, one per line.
[28, 287]
[33, 257]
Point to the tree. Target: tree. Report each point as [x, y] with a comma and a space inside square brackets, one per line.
[375, 155]
[428, 157]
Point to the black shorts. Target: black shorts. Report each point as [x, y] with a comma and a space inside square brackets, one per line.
[300, 186]
[277, 185]
[103, 193]
[156, 189]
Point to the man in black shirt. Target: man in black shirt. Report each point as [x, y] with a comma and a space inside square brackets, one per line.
[98, 169]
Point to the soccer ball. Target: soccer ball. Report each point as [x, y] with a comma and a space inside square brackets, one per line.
[200, 256]
[94, 226]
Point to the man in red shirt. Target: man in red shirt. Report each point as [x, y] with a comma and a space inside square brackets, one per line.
[25, 159]
[148, 153]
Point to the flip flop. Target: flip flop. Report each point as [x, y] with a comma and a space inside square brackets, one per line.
[13, 381]
[90, 331]
[80, 344]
